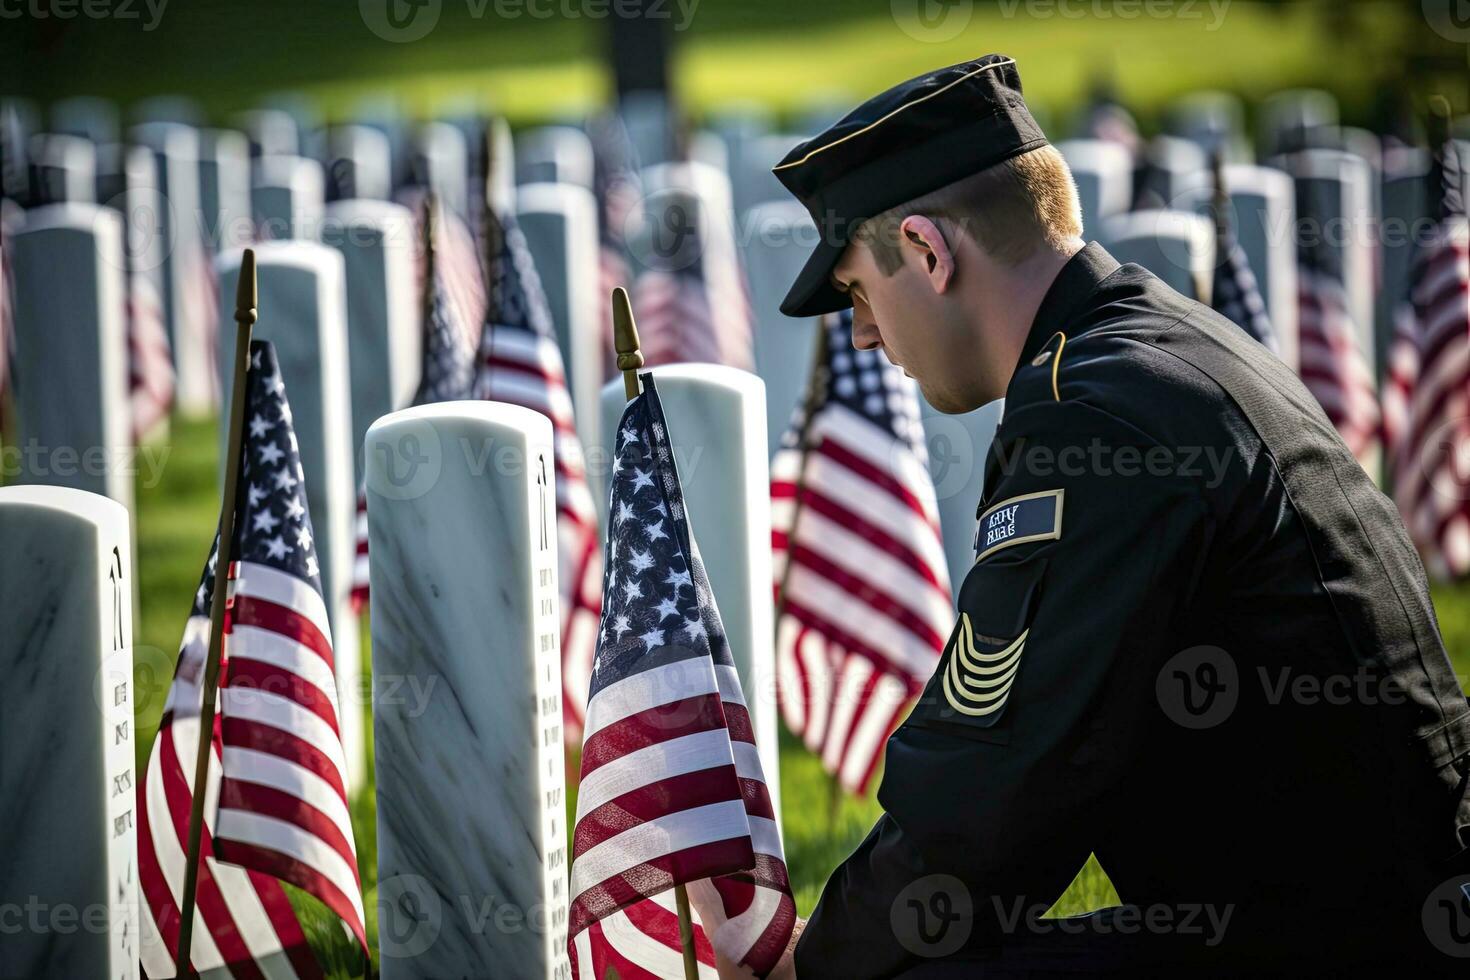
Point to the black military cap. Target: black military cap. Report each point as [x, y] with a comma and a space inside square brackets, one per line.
[914, 138]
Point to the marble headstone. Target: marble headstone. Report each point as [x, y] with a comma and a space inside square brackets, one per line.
[287, 195]
[467, 693]
[68, 871]
[272, 132]
[303, 311]
[1405, 197]
[385, 344]
[71, 357]
[87, 116]
[717, 431]
[384, 113]
[779, 235]
[442, 162]
[750, 171]
[1176, 246]
[186, 296]
[957, 447]
[1103, 172]
[1174, 168]
[360, 161]
[554, 154]
[65, 168]
[649, 120]
[1334, 201]
[560, 224]
[1286, 113]
[1262, 212]
[224, 189]
[1215, 120]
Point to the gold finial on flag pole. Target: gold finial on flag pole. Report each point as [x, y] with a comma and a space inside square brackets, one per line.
[625, 341]
[246, 299]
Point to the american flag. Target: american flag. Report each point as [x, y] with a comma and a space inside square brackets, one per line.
[520, 363]
[448, 374]
[456, 264]
[276, 805]
[1430, 376]
[865, 608]
[691, 297]
[672, 789]
[150, 358]
[1236, 296]
[1332, 364]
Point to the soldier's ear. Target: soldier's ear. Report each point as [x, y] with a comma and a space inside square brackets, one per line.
[923, 234]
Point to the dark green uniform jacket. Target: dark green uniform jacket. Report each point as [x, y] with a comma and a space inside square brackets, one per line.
[1197, 642]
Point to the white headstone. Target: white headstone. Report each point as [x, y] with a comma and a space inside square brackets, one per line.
[649, 121]
[717, 423]
[467, 707]
[560, 225]
[384, 113]
[1176, 246]
[778, 236]
[1405, 197]
[1262, 212]
[385, 342]
[287, 195]
[272, 132]
[502, 180]
[1103, 172]
[66, 168]
[554, 154]
[69, 873]
[1334, 201]
[1284, 114]
[1215, 120]
[186, 269]
[1176, 168]
[958, 446]
[71, 358]
[303, 311]
[87, 116]
[360, 159]
[751, 170]
[443, 160]
[224, 189]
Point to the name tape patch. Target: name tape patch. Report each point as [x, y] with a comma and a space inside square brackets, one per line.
[1030, 517]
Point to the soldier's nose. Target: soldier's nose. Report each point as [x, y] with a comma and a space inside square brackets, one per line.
[865, 335]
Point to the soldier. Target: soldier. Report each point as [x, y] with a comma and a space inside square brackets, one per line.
[1195, 640]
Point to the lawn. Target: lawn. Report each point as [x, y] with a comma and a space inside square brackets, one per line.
[176, 519]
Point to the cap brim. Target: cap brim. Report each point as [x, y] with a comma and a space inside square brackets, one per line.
[813, 293]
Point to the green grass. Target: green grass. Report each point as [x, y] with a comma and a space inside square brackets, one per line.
[785, 54]
[176, 521]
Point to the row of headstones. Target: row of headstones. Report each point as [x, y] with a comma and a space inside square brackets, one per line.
[470, 782]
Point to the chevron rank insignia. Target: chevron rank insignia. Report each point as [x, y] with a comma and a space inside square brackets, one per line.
[1030, 517]
[977, 684]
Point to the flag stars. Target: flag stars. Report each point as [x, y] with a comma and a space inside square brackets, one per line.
[619, 626]
[631, 591]
[655, 530]
[284, 479]
[630, 435]
[259, 427]
[641, 479]
[311, 567]
[694, 628]
[625, 511]
[256, 494]
[679, 579]
[294, 510]
[265, 521]
[303, 538]
[653, 638]
[270, 453]
[277, 548]
[641, 561]
[666, 608]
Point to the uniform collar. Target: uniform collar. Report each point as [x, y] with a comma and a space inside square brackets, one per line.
[1077, 281]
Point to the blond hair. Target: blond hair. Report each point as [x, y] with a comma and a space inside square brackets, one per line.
[1010, 210]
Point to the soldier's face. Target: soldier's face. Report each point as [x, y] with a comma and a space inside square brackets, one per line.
[922, 330]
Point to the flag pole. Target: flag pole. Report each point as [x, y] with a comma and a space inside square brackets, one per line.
[630, 359]
[816, 392]
[245, 312]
